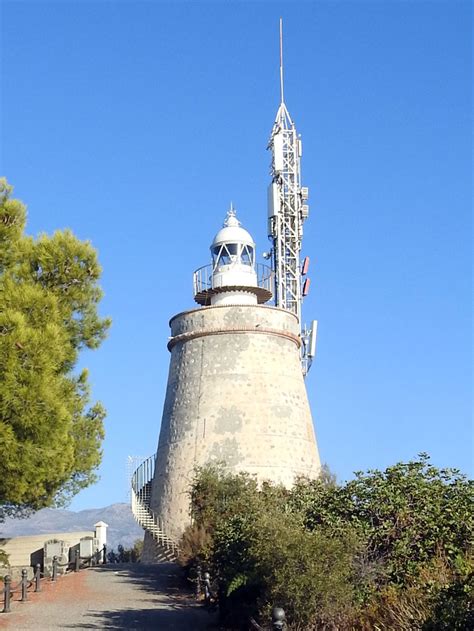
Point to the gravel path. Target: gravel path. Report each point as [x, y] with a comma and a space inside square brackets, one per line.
[128, 596]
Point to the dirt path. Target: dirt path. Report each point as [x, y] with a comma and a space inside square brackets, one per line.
[128, 596]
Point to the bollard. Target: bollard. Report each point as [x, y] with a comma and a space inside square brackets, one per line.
[207, 588]
[38, 578]
[198, 582]
[7, 581]
[278, 619]
[24, 585]
[104, 555]
[54, 574]
[77, 561]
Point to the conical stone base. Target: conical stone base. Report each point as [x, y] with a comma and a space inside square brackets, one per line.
[236, 395]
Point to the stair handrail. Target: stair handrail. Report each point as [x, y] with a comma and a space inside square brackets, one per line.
[141, 482]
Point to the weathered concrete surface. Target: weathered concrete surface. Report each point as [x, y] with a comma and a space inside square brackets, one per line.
[235, 394]
[128, 596]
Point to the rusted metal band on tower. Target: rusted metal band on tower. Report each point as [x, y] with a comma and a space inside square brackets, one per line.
[185, 337]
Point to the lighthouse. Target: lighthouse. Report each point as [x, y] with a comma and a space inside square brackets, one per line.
[236, 390]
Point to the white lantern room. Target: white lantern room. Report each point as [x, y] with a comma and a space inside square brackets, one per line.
[232, 277]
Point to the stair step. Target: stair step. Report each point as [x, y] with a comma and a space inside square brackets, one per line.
[149, 521]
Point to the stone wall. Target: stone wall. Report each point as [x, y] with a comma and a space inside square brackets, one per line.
[21, 549]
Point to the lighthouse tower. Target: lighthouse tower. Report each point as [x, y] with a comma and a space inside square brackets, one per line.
[236, 393]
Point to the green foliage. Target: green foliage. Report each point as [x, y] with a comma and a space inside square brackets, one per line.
[126, 555]
[454, 606]
[388, 550]
[50, 435]
[260, 553]
[408, 514]
[4, 559]
[194, 546]
[216, 494]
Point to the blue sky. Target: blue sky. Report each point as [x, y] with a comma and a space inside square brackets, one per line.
[135, 124]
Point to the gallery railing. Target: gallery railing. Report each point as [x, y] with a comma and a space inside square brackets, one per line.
[203, 277]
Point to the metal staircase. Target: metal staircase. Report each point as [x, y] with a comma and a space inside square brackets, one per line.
[167, 548]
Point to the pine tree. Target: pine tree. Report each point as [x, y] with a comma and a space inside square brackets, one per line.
[50, 435]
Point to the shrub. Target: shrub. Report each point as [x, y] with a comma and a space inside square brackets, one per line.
[388, 550]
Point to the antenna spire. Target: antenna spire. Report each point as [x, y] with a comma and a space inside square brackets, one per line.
[287, 211]
[281, 60]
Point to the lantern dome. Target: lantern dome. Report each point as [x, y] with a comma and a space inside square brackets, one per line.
[232, 231]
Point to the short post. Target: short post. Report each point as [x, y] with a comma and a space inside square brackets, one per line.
[207, 588]
[7, 581]
[77, 561]
[198, 582]
[38, 578]
[278, 619]
[24, 585]
[54, 574]
[104, 555]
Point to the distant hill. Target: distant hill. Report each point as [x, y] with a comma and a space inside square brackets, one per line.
[122, 527]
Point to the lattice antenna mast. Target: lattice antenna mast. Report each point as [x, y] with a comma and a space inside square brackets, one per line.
[287, 208]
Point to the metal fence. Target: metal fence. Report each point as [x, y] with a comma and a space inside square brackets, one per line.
[207, 593]
[205, 588]
[78, 563]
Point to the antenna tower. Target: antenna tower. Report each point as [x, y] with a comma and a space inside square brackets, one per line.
[287, 211]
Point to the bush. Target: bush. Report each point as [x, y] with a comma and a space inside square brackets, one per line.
[387, 550]
[4, 559]
[260, 554]
[126, 555]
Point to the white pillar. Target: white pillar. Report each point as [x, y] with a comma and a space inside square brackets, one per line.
[101, 533]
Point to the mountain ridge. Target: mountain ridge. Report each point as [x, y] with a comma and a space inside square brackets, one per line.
[123, 529]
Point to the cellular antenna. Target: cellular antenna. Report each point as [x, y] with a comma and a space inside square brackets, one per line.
[281, 60]
[287, 211]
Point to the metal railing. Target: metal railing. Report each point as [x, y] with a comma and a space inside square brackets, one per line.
[24, 584]
[149, 519]
[206, 592]
[202, 278]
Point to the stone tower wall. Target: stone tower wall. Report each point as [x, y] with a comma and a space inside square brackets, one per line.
[235, 394]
